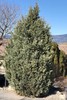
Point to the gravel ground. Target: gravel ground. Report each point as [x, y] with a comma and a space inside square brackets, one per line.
[11, 95]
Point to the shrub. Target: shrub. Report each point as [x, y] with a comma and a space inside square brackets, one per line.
[59, 60]
[28, 60]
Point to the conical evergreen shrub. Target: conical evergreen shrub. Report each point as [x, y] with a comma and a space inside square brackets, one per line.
[28, 59]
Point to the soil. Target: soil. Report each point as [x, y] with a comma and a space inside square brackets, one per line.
[11, 95]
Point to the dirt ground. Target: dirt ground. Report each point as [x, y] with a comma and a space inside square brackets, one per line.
[11, 95]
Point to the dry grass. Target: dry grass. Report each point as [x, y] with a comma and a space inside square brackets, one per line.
[63, 47]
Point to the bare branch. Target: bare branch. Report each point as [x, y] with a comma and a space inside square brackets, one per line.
[8, 18]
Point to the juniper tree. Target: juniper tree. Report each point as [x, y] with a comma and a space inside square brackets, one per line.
[59, 60]
[56, 55]
[28, 60]
[62, 63]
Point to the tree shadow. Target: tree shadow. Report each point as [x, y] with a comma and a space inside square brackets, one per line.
[53, 90]
[3, 81]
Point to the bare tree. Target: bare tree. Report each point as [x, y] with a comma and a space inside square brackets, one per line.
[8, 18]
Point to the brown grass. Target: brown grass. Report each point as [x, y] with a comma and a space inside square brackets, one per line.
[63, 47]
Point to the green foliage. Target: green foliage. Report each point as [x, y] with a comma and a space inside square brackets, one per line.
[59, 60]
[62, 63]
[28, 60]
[65, 61]
[56, 51]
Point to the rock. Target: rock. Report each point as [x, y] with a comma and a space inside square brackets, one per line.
[10, 88]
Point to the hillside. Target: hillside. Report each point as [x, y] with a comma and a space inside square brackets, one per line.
[63, 47]
[62, 41]
[60, 38]
[56, 38]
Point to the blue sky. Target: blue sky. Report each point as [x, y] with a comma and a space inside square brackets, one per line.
[54, 12]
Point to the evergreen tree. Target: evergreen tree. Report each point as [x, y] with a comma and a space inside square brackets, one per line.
[56, 54]
[62, 63]
[59, 60]
[28, 60]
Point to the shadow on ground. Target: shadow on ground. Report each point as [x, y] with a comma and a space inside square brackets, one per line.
[3, 81]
